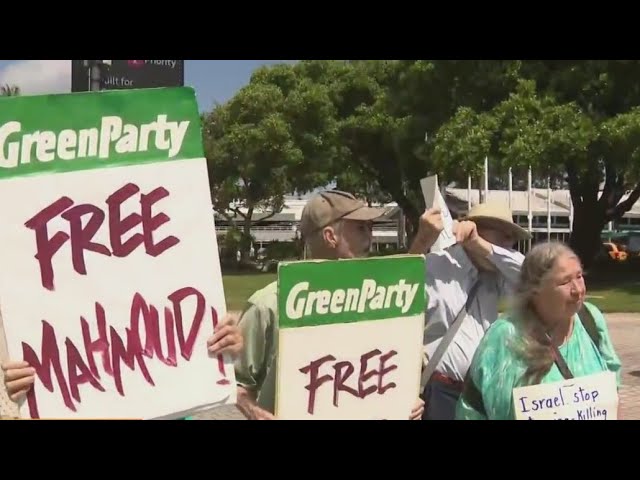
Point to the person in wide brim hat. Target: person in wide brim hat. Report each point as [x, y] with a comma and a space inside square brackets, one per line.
[495, 219]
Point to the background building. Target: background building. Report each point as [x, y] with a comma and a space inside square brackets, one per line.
[551, 218]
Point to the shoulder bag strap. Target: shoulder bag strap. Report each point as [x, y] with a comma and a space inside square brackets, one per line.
[589, 324]
[560, 361]
[433, 362]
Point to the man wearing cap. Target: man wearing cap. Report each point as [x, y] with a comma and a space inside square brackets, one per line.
[334, 225]
[465, 283]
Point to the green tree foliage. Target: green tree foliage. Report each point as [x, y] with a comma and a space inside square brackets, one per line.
[377, 127]
[267, 141]
[577, 118]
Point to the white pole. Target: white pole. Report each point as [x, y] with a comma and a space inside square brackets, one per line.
[529, 206]
[486, 178]
[548, 208]
[570, 214]
[468, 193]
[510, 190]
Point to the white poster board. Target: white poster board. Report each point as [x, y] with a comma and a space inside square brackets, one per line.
[110, 282]
[593, 397]
[433, 199]
[350, 338]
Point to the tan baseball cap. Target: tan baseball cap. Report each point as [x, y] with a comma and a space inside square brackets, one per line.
[326, 207]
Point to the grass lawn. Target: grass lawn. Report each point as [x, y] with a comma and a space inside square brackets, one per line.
[624, 297]
[620, 298]
[238, 288]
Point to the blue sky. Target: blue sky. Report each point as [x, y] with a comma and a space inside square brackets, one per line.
[213, 80]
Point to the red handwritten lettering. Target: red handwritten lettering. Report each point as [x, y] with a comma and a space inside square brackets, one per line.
[343, 371]
[118, 227]
[113, 351]
[315, 381]
[81, 237]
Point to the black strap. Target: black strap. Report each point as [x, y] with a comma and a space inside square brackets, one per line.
[560, 361]
[589, 323]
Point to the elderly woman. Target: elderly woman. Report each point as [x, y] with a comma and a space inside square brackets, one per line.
[552, 334]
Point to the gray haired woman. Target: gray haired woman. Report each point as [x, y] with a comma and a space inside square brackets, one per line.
[551, 334]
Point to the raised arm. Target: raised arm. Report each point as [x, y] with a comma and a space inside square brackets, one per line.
[488, 256]
[429, 230]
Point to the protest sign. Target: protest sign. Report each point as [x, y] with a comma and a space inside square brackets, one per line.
[433, 199]
[350, 339]
[592, 397]
[110, 281]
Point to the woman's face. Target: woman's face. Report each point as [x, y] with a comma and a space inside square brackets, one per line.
[562, 293]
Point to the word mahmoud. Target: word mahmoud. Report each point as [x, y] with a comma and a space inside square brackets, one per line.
[112, 136]
[149, 333]
[302, 302]
[343, 370]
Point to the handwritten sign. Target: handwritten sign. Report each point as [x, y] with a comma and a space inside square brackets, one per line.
[110, 281]
[350, 340]
[433, 198]
[593, 397]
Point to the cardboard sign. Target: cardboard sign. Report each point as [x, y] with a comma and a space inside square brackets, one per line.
[593, 397]
[110, 282]
[350, 339]
[433, 198]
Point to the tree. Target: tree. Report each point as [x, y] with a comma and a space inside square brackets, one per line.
[389, 112]
[267, 141]
[576, 119]
[7, 90]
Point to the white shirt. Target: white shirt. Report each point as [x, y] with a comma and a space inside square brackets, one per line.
[449, 277]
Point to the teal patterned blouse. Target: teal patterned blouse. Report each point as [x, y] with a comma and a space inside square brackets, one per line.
[497, 369]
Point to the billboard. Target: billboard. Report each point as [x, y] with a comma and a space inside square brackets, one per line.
[127, 74]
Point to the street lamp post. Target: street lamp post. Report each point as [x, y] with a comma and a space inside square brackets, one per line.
[95, 71]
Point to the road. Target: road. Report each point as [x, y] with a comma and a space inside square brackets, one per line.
[625, 333]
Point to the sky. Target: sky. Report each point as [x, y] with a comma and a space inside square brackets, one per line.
[213, 80]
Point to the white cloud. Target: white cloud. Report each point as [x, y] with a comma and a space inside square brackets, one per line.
[38, 76]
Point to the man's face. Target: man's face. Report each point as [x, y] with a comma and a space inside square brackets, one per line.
[354, 239]
[499, 237]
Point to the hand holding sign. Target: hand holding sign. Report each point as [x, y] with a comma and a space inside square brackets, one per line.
[464, 231]
[435, 204]
[111, 281]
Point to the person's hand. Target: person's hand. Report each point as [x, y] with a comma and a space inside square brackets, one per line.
[418, 410]
[228, 337]
[465, 231]
[430, 224]
[262, 414]
[18, 378]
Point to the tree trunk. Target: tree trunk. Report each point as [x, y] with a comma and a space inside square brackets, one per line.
[245, 242]
[412, 221]
[585, 236]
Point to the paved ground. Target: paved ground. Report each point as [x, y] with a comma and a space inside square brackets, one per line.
[625, 332]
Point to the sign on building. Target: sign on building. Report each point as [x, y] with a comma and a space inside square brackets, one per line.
[110, 282]
[350, 339]
[129, 74]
